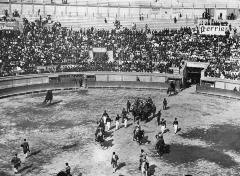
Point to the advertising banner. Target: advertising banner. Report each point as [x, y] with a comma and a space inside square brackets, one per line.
[99, 50]
[212, 30]
[9, 25]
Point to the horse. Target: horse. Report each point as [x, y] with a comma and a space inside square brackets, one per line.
[144, 168]
[143, 111]
[63, 173]
[160, 146]
[138, 135]
[99, 136]
[49, 96]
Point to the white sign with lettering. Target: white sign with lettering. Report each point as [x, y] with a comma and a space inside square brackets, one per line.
[212, 30]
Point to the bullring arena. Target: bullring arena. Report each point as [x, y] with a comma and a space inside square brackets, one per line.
[64, 62]
[206, 144]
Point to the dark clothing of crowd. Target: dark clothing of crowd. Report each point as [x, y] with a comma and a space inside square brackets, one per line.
[43, 44]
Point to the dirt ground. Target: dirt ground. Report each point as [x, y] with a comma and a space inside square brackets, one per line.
[207, 144]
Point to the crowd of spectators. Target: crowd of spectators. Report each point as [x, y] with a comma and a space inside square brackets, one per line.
[133, 51]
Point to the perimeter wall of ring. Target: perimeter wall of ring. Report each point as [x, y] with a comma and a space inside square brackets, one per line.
[219, 87]
[23, 84]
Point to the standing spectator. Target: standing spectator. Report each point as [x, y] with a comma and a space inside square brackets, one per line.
[175, 125]
[114, 161]
[39, 12]
[175, 20]
[108, 120]
[117, 121]
[25, 147]
[16, 163]
[159, 114]
[128, 106]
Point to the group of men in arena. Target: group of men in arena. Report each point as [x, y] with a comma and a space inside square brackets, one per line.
[106, 120]
[16, 161]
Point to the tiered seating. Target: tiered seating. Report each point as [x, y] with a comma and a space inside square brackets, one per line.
[154, 24]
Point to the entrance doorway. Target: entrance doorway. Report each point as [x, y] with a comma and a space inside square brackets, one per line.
[193, 75]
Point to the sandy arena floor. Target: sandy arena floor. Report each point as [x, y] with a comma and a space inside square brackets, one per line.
[207, 144]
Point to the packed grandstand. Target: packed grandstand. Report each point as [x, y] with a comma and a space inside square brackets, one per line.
[122, 49]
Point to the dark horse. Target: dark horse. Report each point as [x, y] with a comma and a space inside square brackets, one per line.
[172, 89]
[160, 146]
[49, 96]
[138, 135]
[99, 135]
[62, 173]
[143, 111]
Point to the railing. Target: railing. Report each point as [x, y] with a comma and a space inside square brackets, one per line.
[10, 86]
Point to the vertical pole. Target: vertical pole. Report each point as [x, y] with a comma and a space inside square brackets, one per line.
[140, 10]
[66, 9]
[150, 9]
[98, 8]
[108, 10]
[10, 7]
[44, 8]
[55, 9]
[193, 11]
[21, 7]
[118, 10]
[129, 11]
[32, 7]
[76, 8]
[87, 8]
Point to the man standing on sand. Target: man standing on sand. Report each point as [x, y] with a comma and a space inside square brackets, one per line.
[124, 114]
[159, 114]
[163, 125]
[128, 106]
[142, 157]
[25, 147]
[114, 162]
[104, 116]
[108, 120]
[16, 163]
[117, 121]
[165, 103]
[175, 125]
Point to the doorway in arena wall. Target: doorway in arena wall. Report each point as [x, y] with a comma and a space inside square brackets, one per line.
[193, 75]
